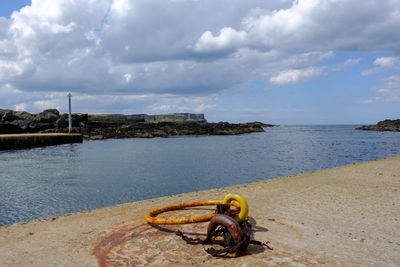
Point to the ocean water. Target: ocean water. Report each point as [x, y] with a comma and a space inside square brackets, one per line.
[49, 181]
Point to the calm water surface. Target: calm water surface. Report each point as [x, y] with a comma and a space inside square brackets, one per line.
[49, 181]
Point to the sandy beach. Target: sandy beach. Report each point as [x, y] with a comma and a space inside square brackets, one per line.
[344, 216]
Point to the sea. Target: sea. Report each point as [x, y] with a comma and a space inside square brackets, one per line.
[49, 181]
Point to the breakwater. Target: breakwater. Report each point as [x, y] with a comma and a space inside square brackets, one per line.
[97, 127]
[17, 141]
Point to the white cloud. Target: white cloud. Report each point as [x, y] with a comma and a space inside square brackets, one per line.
[226, 39]
[166, 108]
[121, 7]
[386, 62]
[187, 49]
[128, 77]
[204, 107]
[369, 71]
[372, 100]
[194, 100]
[46, 104]
[381, 63]
[389, 92]
[311, 25]
[20, 107]
[295, 76]
[349, 62]
[174, 108]
[108, 103]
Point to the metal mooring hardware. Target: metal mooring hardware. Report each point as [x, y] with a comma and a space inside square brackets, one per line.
[234, 236]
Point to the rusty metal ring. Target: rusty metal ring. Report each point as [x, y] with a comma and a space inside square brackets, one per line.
[229, 223]
[150, 216]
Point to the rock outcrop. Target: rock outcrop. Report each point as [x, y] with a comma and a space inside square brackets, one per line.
[50, 121]
[110, 129]
[386, 125]
[24, 122]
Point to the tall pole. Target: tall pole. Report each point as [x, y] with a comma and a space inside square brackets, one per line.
[69, 114]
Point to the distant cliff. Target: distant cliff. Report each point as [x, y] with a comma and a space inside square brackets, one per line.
[386, 125]
[174, 117]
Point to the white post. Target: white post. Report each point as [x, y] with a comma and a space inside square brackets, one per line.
[69, 114]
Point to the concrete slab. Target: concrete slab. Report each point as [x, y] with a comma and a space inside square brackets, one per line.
[345, 216]
[18, 141]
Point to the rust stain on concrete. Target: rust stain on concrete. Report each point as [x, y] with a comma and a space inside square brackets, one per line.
[115, 239]
[296, 231]
[139, 243]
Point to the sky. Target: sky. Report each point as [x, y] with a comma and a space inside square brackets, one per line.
[280, 62]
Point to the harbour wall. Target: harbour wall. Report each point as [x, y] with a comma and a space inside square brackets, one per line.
[18, 141]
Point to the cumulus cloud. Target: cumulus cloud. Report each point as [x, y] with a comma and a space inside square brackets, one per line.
[370, 101]
[20, 107]
[179, 108]
[381, 63]
[295, 76]
[47, 104]
[349, 62]
[228, 38]
[204, 107]
[312, 25]
[386, 62]
[389, 92]
[189, 49]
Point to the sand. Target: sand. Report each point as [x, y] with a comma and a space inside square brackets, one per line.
[344, 216]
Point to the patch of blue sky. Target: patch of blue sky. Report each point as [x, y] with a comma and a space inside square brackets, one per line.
[336, 96]
[7, 7]
[98, 32]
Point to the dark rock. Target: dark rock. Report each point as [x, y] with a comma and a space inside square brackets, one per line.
[389, 124]
[39, 126]
[96, 137]
[9, 127]
[10, 116]
[48, 116]
[22, 124]
[2, 112]
[53, 111]
[103, 127]
[79, 120]
[81, 117]
[386, 125]
[26, 116]
[75, 122]
[62, 122]
[110, 128]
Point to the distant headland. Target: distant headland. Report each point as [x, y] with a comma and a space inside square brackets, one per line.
[386, 125]
[104, 126]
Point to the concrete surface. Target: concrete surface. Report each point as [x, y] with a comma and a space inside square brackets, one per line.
[17, 141]
[345, 216]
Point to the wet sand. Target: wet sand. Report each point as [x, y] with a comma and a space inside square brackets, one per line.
[344, 216]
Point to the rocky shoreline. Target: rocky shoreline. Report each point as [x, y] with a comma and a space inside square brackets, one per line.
[51, 121]
[386, 125]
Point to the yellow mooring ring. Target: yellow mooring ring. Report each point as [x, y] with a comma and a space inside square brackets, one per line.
[244, 207]
[238, 202]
